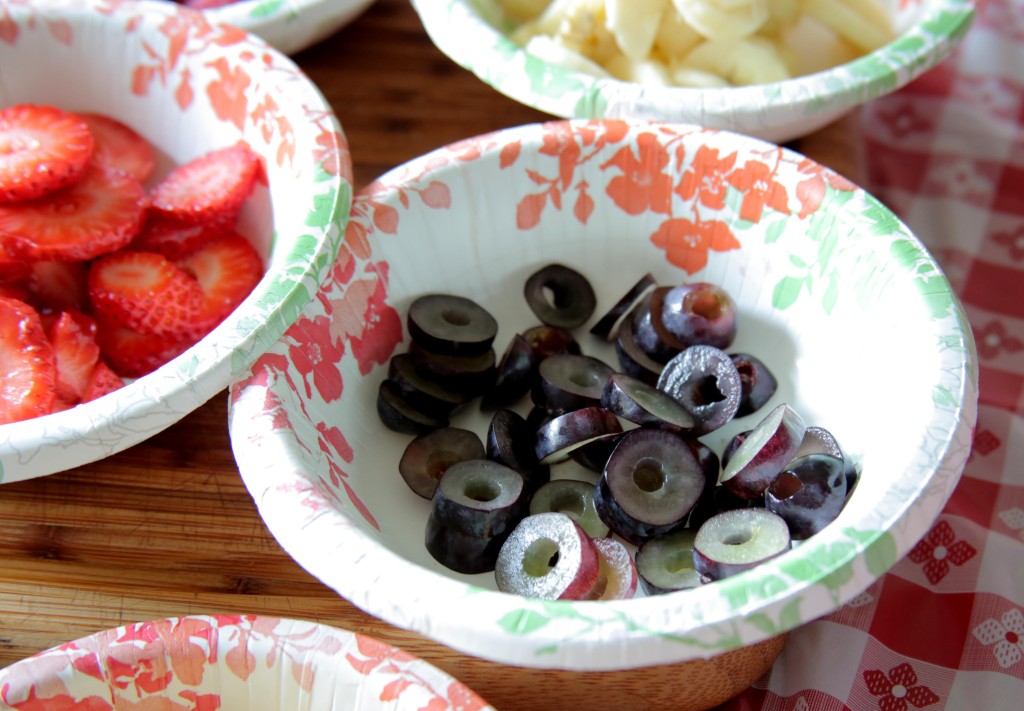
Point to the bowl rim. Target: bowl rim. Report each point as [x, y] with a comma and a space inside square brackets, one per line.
[646, 632]
[95, 430]
[467, 38]
[222, 633]
[277, 21]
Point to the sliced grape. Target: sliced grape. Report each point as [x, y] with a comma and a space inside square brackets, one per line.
[427, 457]
[700, 313]
[452, 325]
[575, 499]
[516, 374]
[510, 441]
[735, 541]
[398, 415]
[548, 556]
[632, 358]
[556, 439]
[607, 327]
[764, 453]
[616, 573]
[479, 497]
[551, 340]
[808, 494]
[569, 382]
[704, 380]
[560, 296]
[634, 400]
[466, 375]
[425, 395]
[665, 564]
[759, 385]
[460, 551]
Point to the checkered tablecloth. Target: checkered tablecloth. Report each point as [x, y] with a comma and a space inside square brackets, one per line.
[945, 628]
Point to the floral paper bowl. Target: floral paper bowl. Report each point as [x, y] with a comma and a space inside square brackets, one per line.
[187, 86]
[476, 35]
[231, 663]
[289, 26]
[835, 295]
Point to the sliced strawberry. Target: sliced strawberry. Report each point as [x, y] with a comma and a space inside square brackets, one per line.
[73, 337]
[211, 187]
[145, 292]
[103, 381]
[58, 286]
[100, 213]
[14, 290]
[41, 149]
[132, 354]
[119, 146]
[227, 270]
[12, 269]
[176, 240]
[28, 372]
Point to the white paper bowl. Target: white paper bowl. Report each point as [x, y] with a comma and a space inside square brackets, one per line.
[171, 75]
[290, 25]
[473, 34]
[835, 295]
[234, 663]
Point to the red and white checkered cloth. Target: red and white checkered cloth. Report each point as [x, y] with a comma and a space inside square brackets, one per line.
[945, 628]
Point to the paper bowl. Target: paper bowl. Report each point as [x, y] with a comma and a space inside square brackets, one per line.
[474, 33]
[188, 86]
[230, 662]
[289, 26]
[835, 295]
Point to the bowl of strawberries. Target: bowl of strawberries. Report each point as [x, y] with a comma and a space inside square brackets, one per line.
[169, 201]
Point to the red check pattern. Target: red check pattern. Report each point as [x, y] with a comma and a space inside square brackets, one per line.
[945, 628]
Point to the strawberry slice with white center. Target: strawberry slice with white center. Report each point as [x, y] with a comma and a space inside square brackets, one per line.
[28, 371]
[73, 337]
[120, 146]
[176, 240]
[145, 292]
[42, 149]
[98, 214]
[227, 270]
[209, 188]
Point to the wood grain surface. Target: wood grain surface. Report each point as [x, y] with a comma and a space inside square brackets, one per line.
[167, 528]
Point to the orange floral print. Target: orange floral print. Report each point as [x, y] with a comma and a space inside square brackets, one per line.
[643, 185]
[757, 183]
[687, 243]
[706, 180]
[229, 94]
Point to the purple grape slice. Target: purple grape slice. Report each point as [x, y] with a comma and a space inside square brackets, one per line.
[632, 358]
[459, 551]
[557, 438]
[510, 442]
[575, 499]
[548, 556]
[427, 457]
[425, 395]
[642, 404]
[451, 325]
[551, 340]
[569, 382]
[479, 497]
[607, 327]
[650, 484]
[465, 375]
[399, 416]
[560, 296]
[515, 376]
[764, 453]
[650, 333]
[704, 380]
[759, 385]
[700, 313]
[808, 494]
[735, 541]
[665, 564]
[616, 572]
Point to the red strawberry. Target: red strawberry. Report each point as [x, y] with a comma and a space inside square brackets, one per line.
[174, 239]
[132, 354]
[41, 149]
[209, 188]
[120, 146]
[102, 381]
[145, 292]
[14, 290]
[227, 270]
[73, 337]
[59, 286]
[28, 373]
[100, 213]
